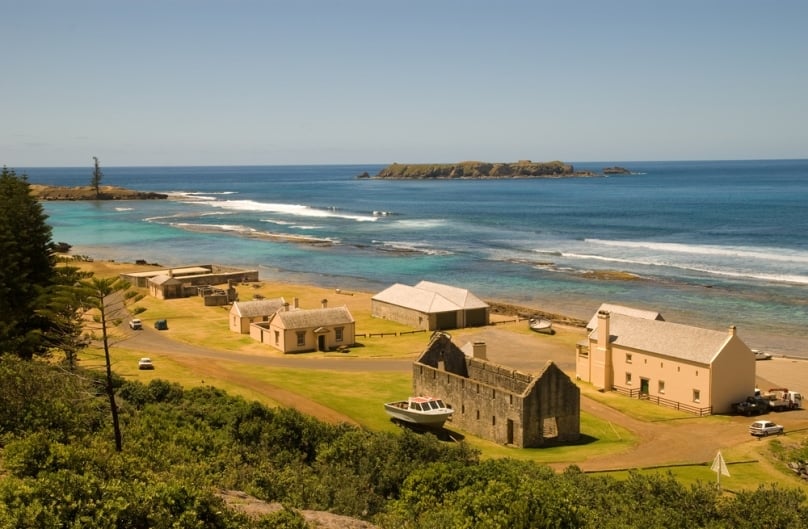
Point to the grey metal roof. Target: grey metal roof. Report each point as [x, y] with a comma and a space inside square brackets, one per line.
[461, 297]
[430, 298]
[259, 307]
[665, 338]
[313, 318]
[621, 309]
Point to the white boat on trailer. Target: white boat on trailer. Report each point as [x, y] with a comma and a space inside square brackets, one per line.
[421, 411]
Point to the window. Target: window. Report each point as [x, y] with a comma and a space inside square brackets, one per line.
[696, 395]
[338, 333]
[301, 338]
[661, 387]
[628, 379]
[277, 337]
[493, 420]
[628, 358]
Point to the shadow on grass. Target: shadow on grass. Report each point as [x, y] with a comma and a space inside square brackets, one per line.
[582, 440]
[443, 434]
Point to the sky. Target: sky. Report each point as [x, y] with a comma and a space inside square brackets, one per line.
[249, 82]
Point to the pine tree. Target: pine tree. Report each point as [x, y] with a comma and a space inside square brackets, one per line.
[109, 297]
[95, 183]
[26, 267]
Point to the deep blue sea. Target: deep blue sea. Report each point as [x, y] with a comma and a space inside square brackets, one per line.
[711, 243]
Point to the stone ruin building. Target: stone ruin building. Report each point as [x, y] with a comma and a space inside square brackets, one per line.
[497, 403]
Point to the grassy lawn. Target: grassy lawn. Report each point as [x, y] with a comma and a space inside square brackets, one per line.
[360, 395]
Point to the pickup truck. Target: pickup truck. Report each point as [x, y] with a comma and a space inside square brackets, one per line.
[782, 399]
[751, 406]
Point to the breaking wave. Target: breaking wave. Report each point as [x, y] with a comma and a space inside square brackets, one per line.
[288, 209]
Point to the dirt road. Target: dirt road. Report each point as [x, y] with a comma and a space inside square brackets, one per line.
[682, 441]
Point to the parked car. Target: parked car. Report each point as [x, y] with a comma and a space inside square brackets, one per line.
[145, 363]
[135, 324]
[764, 428]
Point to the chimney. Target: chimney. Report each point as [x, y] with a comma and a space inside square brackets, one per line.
[295, 303]
[604, 332]
[286, 307]
[732, 330]
[325, 303]
[602, 375]
[478, 351]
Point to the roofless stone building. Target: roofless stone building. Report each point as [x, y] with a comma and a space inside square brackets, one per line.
[497, 403]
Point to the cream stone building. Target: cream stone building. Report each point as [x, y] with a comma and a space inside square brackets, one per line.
[698, 370]
[245, 313]
[303, 330]
[430, 306]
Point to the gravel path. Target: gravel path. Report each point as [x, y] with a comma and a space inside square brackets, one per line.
[681, 441]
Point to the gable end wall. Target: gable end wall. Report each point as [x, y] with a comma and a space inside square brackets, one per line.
[492, 396]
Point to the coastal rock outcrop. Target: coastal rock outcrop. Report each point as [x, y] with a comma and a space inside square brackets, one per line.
[520, 169]
[616, 170]
[43, 192]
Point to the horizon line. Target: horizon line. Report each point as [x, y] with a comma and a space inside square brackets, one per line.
[348, 164]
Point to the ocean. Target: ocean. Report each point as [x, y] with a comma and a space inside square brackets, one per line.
[712, 244]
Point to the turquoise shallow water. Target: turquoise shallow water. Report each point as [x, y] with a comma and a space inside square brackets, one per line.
[711, 243]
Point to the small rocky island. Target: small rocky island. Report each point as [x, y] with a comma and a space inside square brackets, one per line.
[484, 170]
[616, 170]
[43, 192]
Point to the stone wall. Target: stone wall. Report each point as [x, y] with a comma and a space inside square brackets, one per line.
[497, 403]
[403, 315]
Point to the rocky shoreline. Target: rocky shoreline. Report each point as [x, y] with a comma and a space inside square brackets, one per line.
[43, 192]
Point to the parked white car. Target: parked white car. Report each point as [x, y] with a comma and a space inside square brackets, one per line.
[764, 428]
[135, 324]
[145, 363]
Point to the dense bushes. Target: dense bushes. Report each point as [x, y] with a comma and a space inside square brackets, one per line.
[35, 397]
[60, 469]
